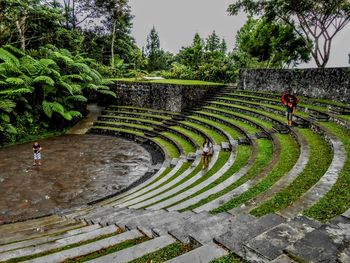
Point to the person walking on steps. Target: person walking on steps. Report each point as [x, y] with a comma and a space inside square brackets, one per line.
[290, 102]
[37, 154]
[207, 152]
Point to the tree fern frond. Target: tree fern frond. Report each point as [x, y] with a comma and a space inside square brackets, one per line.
[107, 92]
[7, 105]
[15, 81]
[44, 80]
[9, 58]
[14, 50]
[78, 98]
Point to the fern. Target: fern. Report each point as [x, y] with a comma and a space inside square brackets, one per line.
[44, 80]
[14, 50]
[15, 81]
[108, 92]
[7, 105]
[8, 58]
[73, 77]
[47, 109]
[78, 98]
[14, 92]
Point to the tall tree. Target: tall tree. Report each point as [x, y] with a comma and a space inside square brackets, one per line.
[213, 42]
[270, 43]
[153, 52]
[192, 56]
[317, 21]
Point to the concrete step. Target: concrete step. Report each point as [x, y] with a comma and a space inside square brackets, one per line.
[191, 229]
[145, 215]
[154, 217]
[58, 243]
[283, 259]
[203, 254]
[88, 248]
[119, 216]
[270, 244]
[244, 231]
[45, 239]
[41, 232]
[137, 251]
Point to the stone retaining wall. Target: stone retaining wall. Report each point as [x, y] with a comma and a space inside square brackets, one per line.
[160, 96]
[328, 83]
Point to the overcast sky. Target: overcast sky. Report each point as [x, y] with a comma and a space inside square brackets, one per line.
[178, 20]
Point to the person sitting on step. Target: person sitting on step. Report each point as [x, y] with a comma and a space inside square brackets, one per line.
[207, 152]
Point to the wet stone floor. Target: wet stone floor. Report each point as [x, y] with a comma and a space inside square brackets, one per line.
[76, 169]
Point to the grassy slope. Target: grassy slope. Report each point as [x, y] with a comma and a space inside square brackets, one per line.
[337, 200]
[288, 157]
[320, 159]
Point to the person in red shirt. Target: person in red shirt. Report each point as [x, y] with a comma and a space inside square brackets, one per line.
[290, 102]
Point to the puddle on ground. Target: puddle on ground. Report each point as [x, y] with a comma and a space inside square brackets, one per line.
[76, 169]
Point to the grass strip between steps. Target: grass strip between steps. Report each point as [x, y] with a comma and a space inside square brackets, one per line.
[235, 134]
[246, 127]
[288, 157]
[264, 157]
[230, 258]
[215, 136]
[243, 153]
[337, 200]
[265, 124]
[170, 148]
[344, 117]
[109, 250]
[55, 250]
[185, 145]
[122, 125]
[164, 254]
[126, 118]
[197, 138]
[222, 159]
[182, 169]
[320, 159]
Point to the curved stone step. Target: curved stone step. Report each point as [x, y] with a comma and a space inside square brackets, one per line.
[48, 238]
[152, 186]
[58, 243]
[284, 181]
[88, 248]
[174, 190]
[317, 191]
[217, 188]
[196, 188]
[158, 190]
[203, 254]
[137, 251]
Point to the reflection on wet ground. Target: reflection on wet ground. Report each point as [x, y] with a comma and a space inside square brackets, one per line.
[76, 169]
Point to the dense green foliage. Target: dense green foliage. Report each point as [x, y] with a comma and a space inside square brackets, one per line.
[44, 90]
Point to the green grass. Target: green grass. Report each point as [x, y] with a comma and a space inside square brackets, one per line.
[265, 151]
[196, 137]
[344, 117]
[139, 114]
[45, 253]
[109, 250]
[222, 159]
[265, 124]
[144, 109]
[125, 125]
[288, 157]
[320, 159]
[235, 134]
[148, 121]
[171, 81]
[337, 200]
[243, 154]
[185, 145]
[119, 130]
[170, 148]
[164, 254]
[215, 136]
[246, 127]
[230, 258]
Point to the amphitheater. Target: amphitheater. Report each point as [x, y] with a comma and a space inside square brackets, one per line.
[270, 194]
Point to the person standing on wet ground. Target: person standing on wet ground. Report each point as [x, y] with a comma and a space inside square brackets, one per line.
[37, 154]
[207, 152]
[290, 102]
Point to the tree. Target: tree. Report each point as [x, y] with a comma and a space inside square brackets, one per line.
[269, 44]
[118, 21]
[158, 59]
[223, 46]
[192, 56]
[315, 21]
[212, 42]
